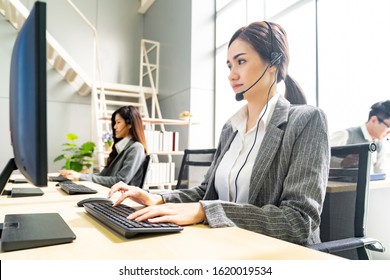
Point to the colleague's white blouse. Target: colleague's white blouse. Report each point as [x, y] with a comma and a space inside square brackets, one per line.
[233, 166]
[120, 146]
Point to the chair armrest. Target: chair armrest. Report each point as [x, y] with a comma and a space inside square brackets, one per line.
[373, 244]
[348, 244]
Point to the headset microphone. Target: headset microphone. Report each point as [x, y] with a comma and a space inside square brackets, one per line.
[275, 59]
[240, 95]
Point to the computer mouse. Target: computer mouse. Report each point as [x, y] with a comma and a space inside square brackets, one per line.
[93, 200]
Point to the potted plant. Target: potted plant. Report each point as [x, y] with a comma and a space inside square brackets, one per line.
[185, 115]
[77, 158]
[107, 141]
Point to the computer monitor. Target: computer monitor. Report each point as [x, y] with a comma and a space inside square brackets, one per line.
[27, 89]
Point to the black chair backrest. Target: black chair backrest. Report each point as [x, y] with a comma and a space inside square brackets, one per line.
[145, 168]
[344, 211]
[193, 167]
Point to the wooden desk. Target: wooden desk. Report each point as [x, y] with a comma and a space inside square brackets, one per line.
[335, 186]
[94, 241]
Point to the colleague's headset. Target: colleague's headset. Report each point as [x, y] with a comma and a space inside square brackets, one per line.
[127, 121]
[275, 59]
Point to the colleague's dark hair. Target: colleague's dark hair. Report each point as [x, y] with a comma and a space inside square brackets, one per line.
[258, 35]
[131, 116]
[380, 109]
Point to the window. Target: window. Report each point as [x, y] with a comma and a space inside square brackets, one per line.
[338, 52]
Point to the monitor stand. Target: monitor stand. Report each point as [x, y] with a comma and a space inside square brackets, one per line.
[15, 192]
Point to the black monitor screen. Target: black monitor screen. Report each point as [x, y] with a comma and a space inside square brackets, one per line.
[28, 100]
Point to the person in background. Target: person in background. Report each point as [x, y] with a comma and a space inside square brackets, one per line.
[376, 129]
[124, 163]
[270, 170]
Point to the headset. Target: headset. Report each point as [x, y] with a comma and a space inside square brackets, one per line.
[275, 56]
[275, 59]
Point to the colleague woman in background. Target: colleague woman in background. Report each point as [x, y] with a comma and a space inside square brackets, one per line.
[270, 170]
[128, 154]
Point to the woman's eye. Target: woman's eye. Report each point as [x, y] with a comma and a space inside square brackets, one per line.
[241, 61]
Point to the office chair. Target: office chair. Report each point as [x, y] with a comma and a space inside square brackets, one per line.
[193, 167]
[343, 217]
[145, 167]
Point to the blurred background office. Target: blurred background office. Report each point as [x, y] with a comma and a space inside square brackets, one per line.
[338, 50]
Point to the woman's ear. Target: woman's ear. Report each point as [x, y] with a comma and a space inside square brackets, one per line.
[273, 68]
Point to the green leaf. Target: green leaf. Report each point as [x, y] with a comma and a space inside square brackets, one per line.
[71, 137]
[76, 166]
[88, 146]
[60, 157]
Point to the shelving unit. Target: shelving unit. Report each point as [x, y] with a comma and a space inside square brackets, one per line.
[151, 181]
[162, 157]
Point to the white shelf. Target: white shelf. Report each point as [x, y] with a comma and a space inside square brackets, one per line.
[176, 153]
[168, 121]
[160, 186]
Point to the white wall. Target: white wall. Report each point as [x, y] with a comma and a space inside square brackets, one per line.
[353, 61]
[378, 225]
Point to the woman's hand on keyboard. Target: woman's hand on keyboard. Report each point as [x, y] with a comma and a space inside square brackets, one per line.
[177, 213]
[134, 193]
[70, 174]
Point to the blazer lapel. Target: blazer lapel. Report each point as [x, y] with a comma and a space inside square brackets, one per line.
[269, 147]
[131, 142]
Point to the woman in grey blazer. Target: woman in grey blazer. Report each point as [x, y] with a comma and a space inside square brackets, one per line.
[270, 170]
[128, 154]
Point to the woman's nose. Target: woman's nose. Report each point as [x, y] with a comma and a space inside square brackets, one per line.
[232, 75]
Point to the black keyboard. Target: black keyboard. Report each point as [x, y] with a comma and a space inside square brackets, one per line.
[71, 187]
[116, 219]
[58, 178]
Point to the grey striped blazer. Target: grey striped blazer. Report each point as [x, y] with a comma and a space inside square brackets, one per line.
[288, 182]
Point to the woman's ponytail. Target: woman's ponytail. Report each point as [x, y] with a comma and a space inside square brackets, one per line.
[294, 93]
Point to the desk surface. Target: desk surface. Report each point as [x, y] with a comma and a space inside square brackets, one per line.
[95, 241]
[336, 186]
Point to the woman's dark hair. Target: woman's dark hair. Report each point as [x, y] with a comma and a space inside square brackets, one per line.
[131, 116]
[258, 35]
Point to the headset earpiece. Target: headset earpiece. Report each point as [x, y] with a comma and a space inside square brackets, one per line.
[275, 58]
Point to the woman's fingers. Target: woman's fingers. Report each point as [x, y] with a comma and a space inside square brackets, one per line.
[120, 186]
[178, 213]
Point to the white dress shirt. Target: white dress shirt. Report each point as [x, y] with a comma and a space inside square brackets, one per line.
[122, 144]
[233, 167]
